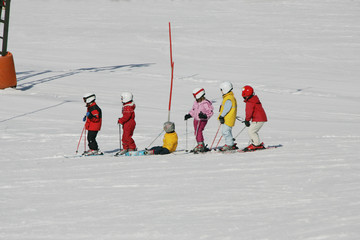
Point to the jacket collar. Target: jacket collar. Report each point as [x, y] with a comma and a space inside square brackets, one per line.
[129, 104]
[228, 94]
[247, 99]
[92, 104]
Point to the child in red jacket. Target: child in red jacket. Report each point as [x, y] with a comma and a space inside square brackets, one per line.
[255, 113]
[93, 120]
[128, 122]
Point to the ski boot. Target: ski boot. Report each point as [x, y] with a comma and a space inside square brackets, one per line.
[253, 147]
[122, 152]
[149, 152]
[92, 152]
[199, 148]
[228, 148]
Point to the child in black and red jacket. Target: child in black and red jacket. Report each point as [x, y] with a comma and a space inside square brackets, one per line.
[93, 120]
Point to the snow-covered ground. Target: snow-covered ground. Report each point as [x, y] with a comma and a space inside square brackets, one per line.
[302, 58]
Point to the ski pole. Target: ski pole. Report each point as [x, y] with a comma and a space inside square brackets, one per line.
[155, 139]
[215, 137]
[239, 133]
[77, 149]
[240, 119]
[186, 136]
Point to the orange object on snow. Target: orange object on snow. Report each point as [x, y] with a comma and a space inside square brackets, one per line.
[7, 71]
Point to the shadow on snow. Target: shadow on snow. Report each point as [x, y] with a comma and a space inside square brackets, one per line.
[30, 74]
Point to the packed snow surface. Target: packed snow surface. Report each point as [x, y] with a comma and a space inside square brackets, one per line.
[302, 58]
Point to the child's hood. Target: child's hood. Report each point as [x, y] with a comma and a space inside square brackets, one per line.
[129, 105]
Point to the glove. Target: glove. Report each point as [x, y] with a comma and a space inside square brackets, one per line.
[222, 120]
[89, 115]
[202, 115]
[187, 116]
[119, 121]
[247, 123]
[84, 119]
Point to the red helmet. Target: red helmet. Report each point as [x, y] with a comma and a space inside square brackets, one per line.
[247, 91]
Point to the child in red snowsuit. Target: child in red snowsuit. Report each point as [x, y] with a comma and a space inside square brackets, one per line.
[256, 114]
[128, 123]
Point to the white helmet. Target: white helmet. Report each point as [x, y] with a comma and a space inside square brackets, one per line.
[226, 87]
[126, 97]
[198, 93]
[89, 97]
[169, 127]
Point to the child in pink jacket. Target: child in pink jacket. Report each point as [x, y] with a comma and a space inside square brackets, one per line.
[201, 111]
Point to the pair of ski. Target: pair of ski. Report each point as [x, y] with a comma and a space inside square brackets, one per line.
[132, 153]
[142, 152]
[85, 155]
[244, 150]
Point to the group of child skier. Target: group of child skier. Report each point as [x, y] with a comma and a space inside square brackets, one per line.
[202, 110]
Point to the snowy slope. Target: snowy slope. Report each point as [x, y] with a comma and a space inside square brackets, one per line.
[301, 57]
